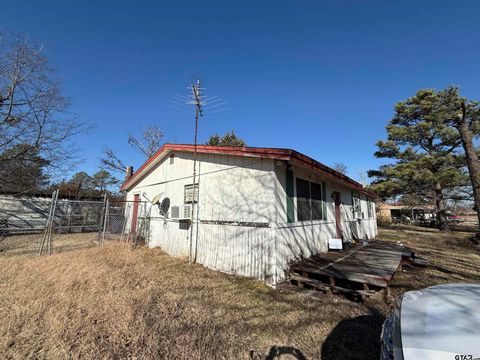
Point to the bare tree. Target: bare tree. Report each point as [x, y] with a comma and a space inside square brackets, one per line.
[340, 167]
[148, 144]
[363, 177]
[150, 141]
[111, 161]
[33, 111]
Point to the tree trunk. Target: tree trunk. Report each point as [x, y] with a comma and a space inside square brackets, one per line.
[472, 159]
[442, 222]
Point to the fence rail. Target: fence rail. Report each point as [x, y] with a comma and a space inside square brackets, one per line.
[35, 225]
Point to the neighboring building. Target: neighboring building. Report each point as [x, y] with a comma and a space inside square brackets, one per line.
[399, 213]
[255, 209]
[28, 213]
[23, 214]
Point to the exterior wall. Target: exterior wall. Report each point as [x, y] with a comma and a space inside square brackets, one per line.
[167, 179]
[360, 227]
[233, 192]
[240, 224]
[305, 238]
[241, 250]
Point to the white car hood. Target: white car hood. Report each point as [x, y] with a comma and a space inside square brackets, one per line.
[441, 321]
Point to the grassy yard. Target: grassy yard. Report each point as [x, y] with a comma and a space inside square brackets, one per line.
[452, 256]
[28, 244]
[114, 301]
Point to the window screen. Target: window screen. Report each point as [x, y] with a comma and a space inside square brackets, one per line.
[310, 200]
[371, 209]
[357, 208]
[303, 200]
[316, 197]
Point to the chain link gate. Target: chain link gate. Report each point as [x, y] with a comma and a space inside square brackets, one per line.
[126, 221]
[72, 224]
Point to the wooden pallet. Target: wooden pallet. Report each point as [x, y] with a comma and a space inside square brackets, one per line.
[331, 289]
[362, 270]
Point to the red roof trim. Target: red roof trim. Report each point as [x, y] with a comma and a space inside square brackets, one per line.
[271, 153]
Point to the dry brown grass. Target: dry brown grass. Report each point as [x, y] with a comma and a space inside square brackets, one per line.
[451, 255]
[28, 244]
[117, 302]
[114, 301]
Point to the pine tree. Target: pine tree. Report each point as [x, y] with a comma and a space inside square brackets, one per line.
[103, 180]
[22, 170]
[229, 139]
[428, 160]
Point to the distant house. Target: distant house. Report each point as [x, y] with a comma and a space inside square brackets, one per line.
[255, 209]
[399, 213]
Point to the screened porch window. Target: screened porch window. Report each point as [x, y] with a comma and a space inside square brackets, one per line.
[310, 201]
[371, 209]
[356, 206]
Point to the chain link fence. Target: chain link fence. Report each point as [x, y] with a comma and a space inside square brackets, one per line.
[40, 225]
[126, 221]
[22, 223]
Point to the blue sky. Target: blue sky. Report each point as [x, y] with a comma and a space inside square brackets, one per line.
[320, 77]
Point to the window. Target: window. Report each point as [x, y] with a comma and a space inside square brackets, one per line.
[303, 200]
[310, 201]
[356, 206]
[371, 209]
[188, 195]
[316, 201]
[290, 196]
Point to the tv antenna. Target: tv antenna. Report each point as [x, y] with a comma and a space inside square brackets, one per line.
[203, 106]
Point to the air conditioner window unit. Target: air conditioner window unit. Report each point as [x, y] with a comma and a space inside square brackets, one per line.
[174, 212]
[181, 213]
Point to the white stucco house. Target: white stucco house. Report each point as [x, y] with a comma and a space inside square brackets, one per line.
[254, 209]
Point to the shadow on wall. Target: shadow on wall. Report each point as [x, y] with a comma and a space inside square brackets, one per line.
[355, 338]
[245, 191]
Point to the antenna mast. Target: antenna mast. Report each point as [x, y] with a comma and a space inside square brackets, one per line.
[202, 105]
[197, 101]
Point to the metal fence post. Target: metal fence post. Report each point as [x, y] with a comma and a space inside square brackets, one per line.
[52, 223]
[47, 236]
[105, 220]
[125, 221]
[47, 225]
[144, 230]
